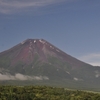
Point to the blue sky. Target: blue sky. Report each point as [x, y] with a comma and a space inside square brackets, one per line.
[71, 25]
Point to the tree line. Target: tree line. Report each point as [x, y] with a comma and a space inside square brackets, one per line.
[44, 93]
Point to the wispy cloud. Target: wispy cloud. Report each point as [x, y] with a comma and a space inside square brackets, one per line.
[13, 6]
[9, 6]
[93, 59]
[21, 77]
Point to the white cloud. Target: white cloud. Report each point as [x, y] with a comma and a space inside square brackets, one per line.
[9, 6]
[21, 77]
[15, 6]
[76, 79]
[93, 59]
[97, 74]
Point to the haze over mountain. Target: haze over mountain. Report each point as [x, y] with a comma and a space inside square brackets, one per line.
[36, 61]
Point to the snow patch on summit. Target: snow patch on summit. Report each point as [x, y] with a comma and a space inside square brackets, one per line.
[51, 47]
[57, 50]
[23, 42]
[34, 41]
[42, 41]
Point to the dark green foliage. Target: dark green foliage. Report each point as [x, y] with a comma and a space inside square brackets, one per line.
[44, 93]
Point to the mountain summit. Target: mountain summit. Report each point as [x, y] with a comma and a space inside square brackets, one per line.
[38, 60]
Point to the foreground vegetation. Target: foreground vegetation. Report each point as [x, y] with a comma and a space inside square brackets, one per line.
[44, 93]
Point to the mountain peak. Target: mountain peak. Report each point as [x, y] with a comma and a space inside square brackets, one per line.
[33, 40]
[28, 49]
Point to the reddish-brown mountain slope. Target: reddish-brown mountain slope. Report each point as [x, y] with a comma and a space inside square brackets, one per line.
[27, 50]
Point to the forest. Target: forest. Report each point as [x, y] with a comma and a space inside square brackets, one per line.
[44, 93]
